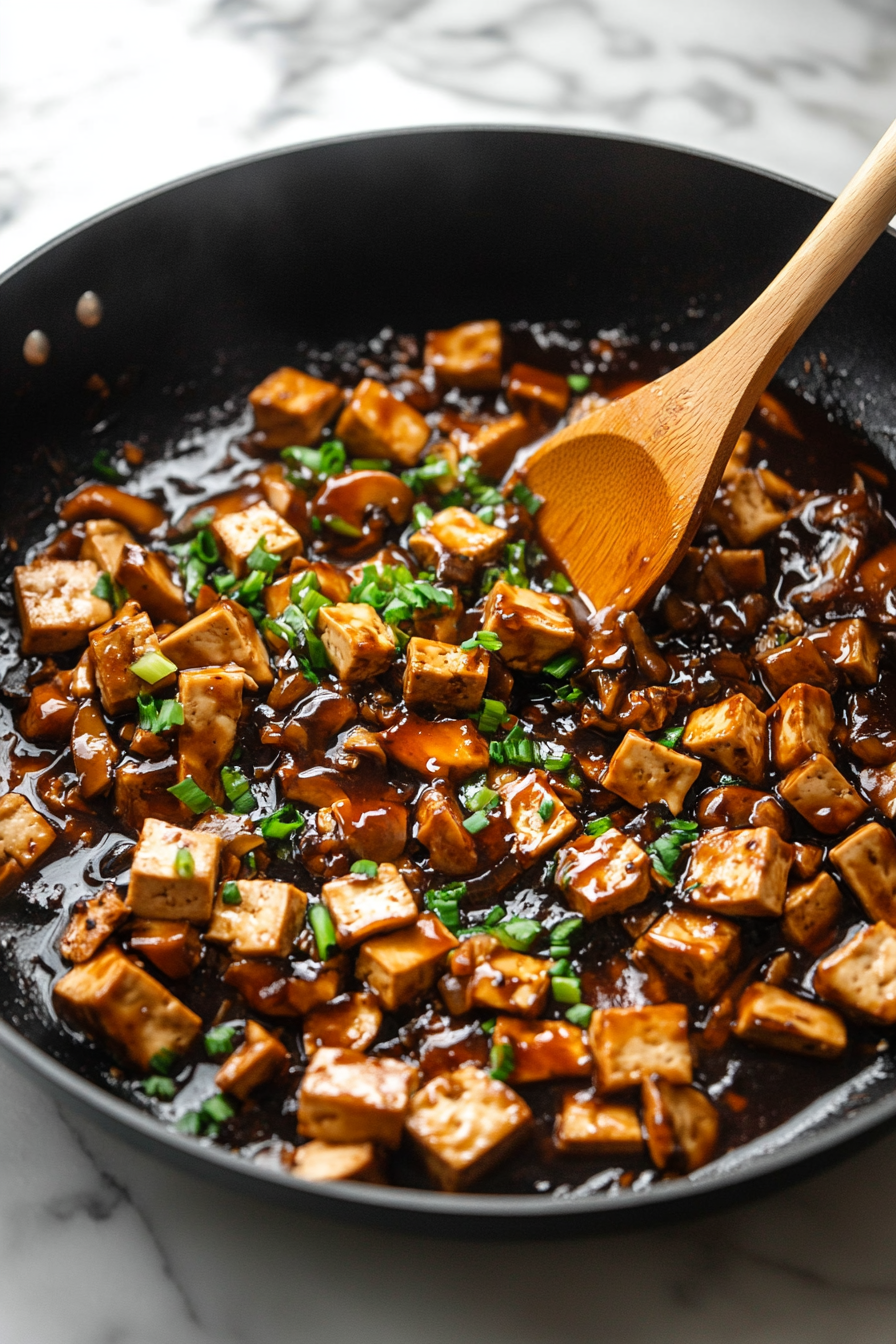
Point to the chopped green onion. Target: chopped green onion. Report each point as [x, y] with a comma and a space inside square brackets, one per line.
[574, 780]
[422, 514]
[561, 965]
[190, 1123]
[561, 666]
[565, 931]
[495, 749]
[371, 464]
[556, 762]
[546, 809]
[483, 639]
[191, 795]
[365, 868]
[500, 1061]
[728, 780]
[109, 591]
[445, 903]
[579, 382]
[517, 934]
[491, 715]
[222, 583]
[599, 826]
[260, 558]
[516, 564]
[281, 823]
[158, 716]
[418, 477]
[184, 865]
[327, 460]
[237, 789]
[230, 894]
[579, 1014]
[558, 583]
[323, 930]
[523, 495]
[216, 1109]
[781, 638]
[476, 823]
[566, 988]
[104, 469]
[342, 526]
[671, 737]
[157, 1086]
[153, 667]
[488, 1025]
[219, 1041]
[163, 1061]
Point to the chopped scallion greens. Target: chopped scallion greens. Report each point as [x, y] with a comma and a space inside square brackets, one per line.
[281, 823]
[558, 583]
[238, 790]
[560, 667]
[163, 1061]
[599, 826]
[517, 934]
[566, 988]
[476, 823]
[158, 1086]
[483, 639]
[579, 382]
[323, 930]
[491, 715]
[546, 809]
[671, 737]
[153, 667]
[261, 559]
[219, 1041]
[184, 864]
[158, 716]
[579, 1014]
[191, 795]
[523, 495]
[501, 1061]
[365, 868]
[230, 894]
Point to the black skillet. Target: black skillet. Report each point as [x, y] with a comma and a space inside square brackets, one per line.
[210, 283]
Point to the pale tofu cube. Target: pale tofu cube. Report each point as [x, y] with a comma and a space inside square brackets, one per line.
[115, 647]
[631, 1044]
[319, 1161]
[347, 1098]
[587, 1126]
[697, 949]
[544, 1050]
[867, 861]
[440, 828]
[450, 749]
[743, 510]
[532, 627]
[360, 646]
[467, 356]
[252, 1064]
[798, 661]
[376, 423]
[811, 913]
[443, 676]
[147, 579]
[362, 907]
[538, 818]
[264, 923]
[401, 966]
[773, 1017]
[510, 982]
[92, 920]
[495, 446]
[56, 605]
[732, 734]
[156, 890]
[460, 533]
[679, 1119]
[860, 976]
[822, 796]
[853, 647]
[801, 725]
[740, 872]
[350, 1022]
[603, 874]
[114, 1001]
[292, 407]
[212, 698]
[237, 535]
[24, 837]
[642, 772]
[225, 633]
[104, 540]
[540, 395]
[464, 1123]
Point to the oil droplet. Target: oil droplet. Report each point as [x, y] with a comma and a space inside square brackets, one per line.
[89, 309]
[36, 347]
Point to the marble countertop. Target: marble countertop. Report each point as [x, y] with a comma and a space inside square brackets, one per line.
[99, 100]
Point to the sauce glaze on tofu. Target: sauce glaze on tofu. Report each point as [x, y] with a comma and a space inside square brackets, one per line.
[336, 828]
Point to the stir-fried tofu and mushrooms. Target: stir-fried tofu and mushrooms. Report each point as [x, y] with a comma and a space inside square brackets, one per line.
[369, 848]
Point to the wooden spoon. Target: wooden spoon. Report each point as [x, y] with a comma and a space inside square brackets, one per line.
[625, 488]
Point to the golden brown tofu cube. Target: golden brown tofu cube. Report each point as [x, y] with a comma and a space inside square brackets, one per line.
[538, 818]
[148, 580]
[510, 982]
[740, 872]
[732, 734]
[468, 355]
[769, 1016]
[113, 1000]
[440, 828]
[801, 722]
[495, 446]
[744, 511]
[212, 698]
[867, 860]
[56, 605]
[811, 913]
[253, 1063]
[24, 837]
[460, 533]
[743, 571]
[603, 874]
[879, 783]
[292, 407]
[237, 535]
[696, 949]
[807, 859]
[642, 772]
[853, 647]
[362, 907]
[400, 966]
[532, 627]
[375, 423]
[587, 1126]
[798, 661]
[544, 1050]
[350, 1022]
[264, 923]
[443, 676]
[51, 710]
[358, 643]
[347, 1098]
[822, 796]
[157, 890]
[104, 540]
[91, 921]
[172, 945]
[116, 646]
[681, 1119]
[464, 1123]
[860, 976]
[540, 395]
[451, 749]
[319, 1161]
[223, 634]
[141, 791]
[631, 1044]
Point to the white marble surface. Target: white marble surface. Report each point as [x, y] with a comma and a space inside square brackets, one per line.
[103, 98]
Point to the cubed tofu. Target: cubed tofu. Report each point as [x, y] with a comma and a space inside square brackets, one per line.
[740, 872]
[811, 912]
[114, 1001]
[90, 923]
[440, 828]
[544, 1050]
[539, 820]
[104, 540]
[212, 698]
[798, 661]
[773, 1017]
[732, 734]
[359, 644]
[464, 1123]
[642, 772]
[347, 1098]
[319, 1161]
[253, 1063]
[587, 1126]
[172, 945]
[460, 533]
[264, 923]
[238, 833]
[451, 749]
[56, 605]
[362, 907]
[603, 874]
[466, 356]
[237, 535]
[867, 861]
[93, 752]
[853, 647]
[350, 1022]
[399, 967]
[495, 446]
[24, 837]
[292, 407]
[147, 579]
[156, 890]
[376, 423]
[51, 710]
[679, 1119]
[541, 396]
[115, 647]
[822, 796]
[697, 949]
[742, 571]
[860, 975]
[743, 510]
[142, 790]
[801, 725]
[223, 634]
[879, 783]
[510, 982]
[532, 627]
[631, 1044]
[443, 676]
